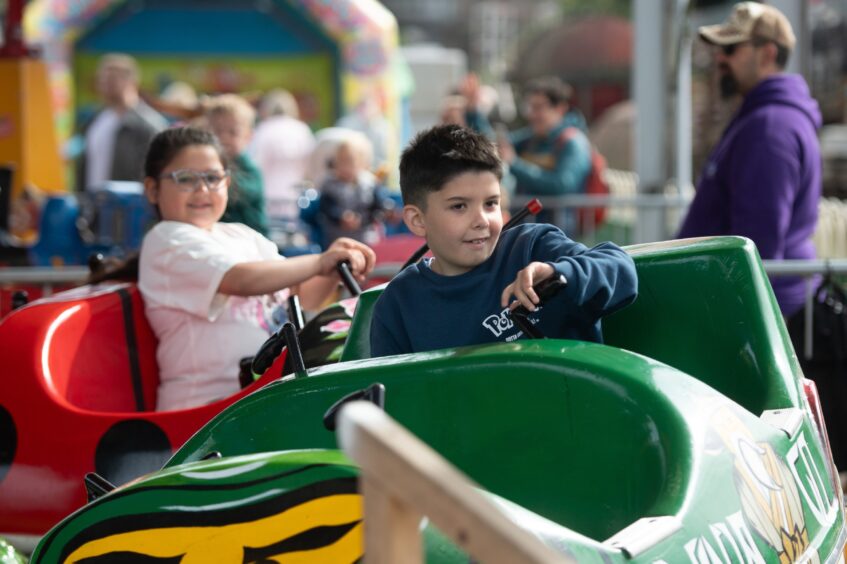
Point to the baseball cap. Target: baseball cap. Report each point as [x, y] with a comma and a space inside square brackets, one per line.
[751, 20]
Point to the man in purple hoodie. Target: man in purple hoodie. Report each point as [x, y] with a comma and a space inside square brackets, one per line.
[763, 180]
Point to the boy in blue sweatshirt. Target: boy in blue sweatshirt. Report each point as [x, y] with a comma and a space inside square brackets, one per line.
[450, 180]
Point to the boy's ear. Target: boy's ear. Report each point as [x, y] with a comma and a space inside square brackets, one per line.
[151, 190]
[413, 218]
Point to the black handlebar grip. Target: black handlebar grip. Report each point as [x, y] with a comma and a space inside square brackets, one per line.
[545, 290]
[295, 312]
[289, 334]
[350, 283]
[268, 352]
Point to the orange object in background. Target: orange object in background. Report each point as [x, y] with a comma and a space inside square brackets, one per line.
[27, 133]
[28, 143]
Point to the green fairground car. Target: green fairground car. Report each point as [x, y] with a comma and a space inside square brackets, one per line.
[689, 436]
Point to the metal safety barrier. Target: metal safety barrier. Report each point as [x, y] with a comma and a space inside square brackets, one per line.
[47, 279]
[807, 269]
[624, 216]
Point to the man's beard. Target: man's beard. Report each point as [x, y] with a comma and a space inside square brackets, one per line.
[729, 86]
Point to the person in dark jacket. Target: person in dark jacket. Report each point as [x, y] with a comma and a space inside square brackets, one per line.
[115, 139]
[350, 202]
[763, 180]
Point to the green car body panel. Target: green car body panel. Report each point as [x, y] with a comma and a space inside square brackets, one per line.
[687, 437]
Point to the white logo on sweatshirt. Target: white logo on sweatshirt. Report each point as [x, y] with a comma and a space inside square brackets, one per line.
[497, 324]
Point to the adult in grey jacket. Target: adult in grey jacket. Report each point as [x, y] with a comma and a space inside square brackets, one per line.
[117, 136]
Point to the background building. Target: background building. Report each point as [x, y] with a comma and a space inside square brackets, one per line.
[488, 31]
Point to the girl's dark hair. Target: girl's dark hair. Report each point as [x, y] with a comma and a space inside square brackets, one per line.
[168, 143]
[120, 270]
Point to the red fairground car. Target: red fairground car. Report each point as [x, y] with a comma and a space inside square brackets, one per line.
[77, 395]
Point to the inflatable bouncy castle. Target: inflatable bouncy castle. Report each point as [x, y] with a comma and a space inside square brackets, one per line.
[333, 55]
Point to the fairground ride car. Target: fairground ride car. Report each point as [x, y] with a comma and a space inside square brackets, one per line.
[78, 395]
[690, 436]
[79, 391]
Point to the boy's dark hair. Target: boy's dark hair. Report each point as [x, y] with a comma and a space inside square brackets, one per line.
[439, 154]
[168, 143]
[553, 88]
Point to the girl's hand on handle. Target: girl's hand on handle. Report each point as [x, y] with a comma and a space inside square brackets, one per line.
[522, 288]
[362, 258]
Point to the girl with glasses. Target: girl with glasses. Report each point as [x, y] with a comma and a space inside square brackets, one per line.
[214, 291]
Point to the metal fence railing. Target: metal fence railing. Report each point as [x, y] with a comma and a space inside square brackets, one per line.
[623, 216]
[46, 279]
[807, 269]
[630, 216]
[37, 282]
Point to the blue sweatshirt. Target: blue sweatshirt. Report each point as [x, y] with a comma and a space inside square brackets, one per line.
[763, 180]
[421, 310]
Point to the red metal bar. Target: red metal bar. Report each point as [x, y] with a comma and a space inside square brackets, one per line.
[13, 32]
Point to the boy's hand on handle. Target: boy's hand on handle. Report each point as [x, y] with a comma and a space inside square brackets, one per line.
[522, 288]
[360, 257]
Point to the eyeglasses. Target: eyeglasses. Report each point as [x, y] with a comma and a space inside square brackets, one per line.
[191, 180]
[729, 50]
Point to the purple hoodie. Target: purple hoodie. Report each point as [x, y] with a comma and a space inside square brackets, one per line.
[763, 180]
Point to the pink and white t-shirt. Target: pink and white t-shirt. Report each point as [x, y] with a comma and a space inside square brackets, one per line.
[202, 333]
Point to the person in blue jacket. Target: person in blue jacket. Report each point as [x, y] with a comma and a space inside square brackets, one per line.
[450, 181]
[763, 180]
[551, 156]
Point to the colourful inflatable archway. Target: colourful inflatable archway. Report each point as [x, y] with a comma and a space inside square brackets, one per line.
[348, 46]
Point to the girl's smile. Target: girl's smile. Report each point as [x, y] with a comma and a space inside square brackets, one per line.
[200, 206]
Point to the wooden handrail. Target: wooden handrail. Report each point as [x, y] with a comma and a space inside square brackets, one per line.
[404, 479]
